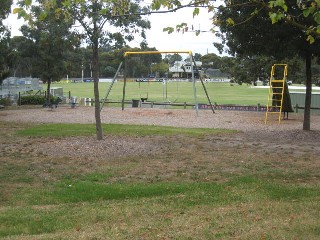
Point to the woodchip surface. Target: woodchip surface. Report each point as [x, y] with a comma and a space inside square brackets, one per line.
[251, 124]
[254, 136]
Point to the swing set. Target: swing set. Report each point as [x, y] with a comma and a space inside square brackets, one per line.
[193, 68]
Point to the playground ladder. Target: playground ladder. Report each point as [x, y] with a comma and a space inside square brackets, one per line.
[276, 90]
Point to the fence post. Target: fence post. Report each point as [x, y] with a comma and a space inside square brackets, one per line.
[297, 108]
[258, 107]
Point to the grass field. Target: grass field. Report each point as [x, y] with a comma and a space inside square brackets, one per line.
[220, 93]
[184, 186]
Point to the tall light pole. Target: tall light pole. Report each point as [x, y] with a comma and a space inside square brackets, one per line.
[82, 72]
[90, 64]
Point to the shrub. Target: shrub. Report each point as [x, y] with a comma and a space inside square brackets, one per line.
[33, 100]
[5, 101]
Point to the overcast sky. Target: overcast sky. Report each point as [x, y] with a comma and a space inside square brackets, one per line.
[163, 41]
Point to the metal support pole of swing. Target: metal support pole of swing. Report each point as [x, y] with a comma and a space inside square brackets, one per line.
[124, 82]
[194, 86]
[204, 87]
[111, 85]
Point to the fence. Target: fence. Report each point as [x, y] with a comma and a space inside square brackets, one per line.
[184, 105]
[297, 107]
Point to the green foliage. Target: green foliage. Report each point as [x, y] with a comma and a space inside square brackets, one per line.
[247, 69]
[168, 29]
[33, 100]
[275, 17]
[50, 43]
[172, 58]
[5, 101]
[278, 3]
[5, 53]
[160, 68]
[211, 60]
[4, 9]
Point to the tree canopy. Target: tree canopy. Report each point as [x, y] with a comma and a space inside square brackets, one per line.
[5, 7]
[248, 34]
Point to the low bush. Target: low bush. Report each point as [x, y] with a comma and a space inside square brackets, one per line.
[5, 101]
[32, 100]
[35, 100]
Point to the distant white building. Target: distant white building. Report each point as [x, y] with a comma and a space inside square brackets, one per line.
[182, 69]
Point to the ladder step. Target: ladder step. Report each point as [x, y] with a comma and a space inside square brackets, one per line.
[282, 81]
[276, 87]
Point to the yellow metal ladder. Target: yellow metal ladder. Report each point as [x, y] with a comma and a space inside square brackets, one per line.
[276, 90]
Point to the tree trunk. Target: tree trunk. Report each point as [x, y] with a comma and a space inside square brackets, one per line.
[48, 91]
[306, 120]
[95, 66]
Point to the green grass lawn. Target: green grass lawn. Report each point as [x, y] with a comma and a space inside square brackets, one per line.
[187, 187]
[220, 93]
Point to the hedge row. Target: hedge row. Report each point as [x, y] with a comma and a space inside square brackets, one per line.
[32, 100]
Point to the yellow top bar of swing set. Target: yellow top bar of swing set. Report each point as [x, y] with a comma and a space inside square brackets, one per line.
[156, 52]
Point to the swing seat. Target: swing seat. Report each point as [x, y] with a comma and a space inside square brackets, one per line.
[144, 99]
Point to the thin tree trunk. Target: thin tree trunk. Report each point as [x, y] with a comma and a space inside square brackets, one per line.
[96, 92]
[95, 66]
[306, 120]
[48, 91]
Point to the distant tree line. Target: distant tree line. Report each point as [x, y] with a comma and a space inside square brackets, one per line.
[25, 61]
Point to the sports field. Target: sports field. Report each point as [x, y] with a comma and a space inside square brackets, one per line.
[220, 93]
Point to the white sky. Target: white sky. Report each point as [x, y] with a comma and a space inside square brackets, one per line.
[202, 43]
[163, 41]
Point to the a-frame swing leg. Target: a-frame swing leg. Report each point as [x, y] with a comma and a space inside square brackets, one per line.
[111, 85]
[204, 86]
[124, 83]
